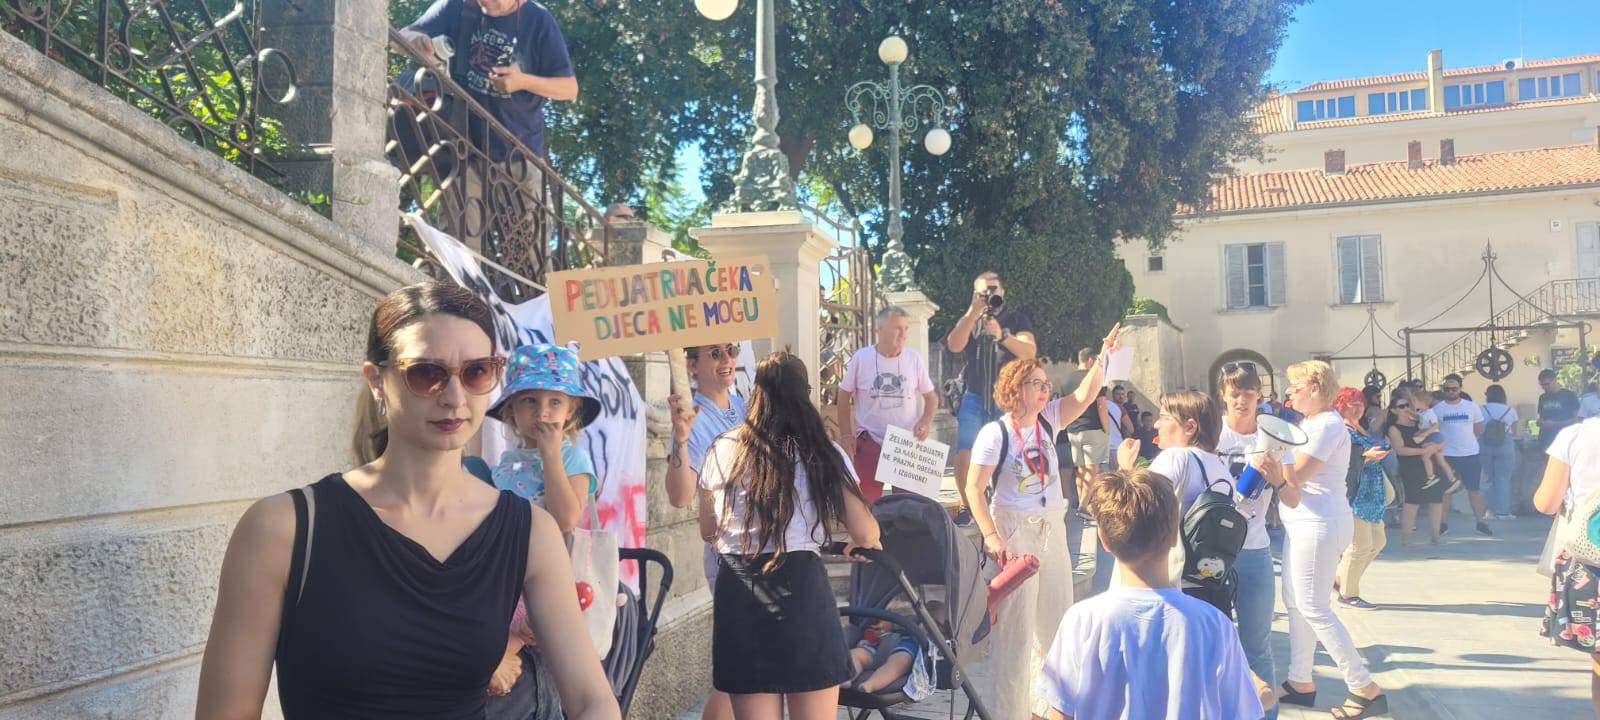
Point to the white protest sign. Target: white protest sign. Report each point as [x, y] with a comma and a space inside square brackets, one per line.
[1119, 365]
[616, 439]
[908, 464]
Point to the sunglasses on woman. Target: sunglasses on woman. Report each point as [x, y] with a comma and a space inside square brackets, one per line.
[717, 353]
[427, 378]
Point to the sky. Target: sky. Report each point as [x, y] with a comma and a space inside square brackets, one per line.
[1335, 39]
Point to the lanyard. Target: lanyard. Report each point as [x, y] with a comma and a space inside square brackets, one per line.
[1043, 469]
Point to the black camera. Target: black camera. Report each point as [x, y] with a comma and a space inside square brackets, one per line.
[996, 302]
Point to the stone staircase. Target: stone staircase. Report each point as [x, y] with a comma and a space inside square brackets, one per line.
[1550, 303]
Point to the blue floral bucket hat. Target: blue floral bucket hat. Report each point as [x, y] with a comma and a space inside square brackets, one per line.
[543, 366]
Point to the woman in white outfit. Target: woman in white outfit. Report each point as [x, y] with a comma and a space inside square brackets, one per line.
[1027, 516]
[1318, 526]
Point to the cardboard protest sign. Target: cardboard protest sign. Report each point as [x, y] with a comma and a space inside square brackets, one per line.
[908, 464]
[644, 308]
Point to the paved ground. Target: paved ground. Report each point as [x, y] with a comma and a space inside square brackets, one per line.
[1456, 639]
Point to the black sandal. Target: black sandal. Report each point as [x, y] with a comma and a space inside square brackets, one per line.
[1292, 696]
[1369, 708]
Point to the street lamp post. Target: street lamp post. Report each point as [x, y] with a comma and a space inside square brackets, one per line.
[895, 110]
[763, 182]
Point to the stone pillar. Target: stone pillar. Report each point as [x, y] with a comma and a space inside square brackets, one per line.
[794, 247]
[337, 122]
[921, 309]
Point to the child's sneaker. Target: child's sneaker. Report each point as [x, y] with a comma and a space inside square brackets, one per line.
[1432, 481]
[1455, 487]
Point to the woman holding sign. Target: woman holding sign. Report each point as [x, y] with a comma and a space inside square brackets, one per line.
[1017, 453]
[881, 387]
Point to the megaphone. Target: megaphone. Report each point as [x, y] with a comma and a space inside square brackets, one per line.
[1274, 436]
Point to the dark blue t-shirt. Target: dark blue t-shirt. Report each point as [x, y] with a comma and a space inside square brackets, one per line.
[528, 36]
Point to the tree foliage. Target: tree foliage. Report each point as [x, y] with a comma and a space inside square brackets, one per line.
[1078, 124]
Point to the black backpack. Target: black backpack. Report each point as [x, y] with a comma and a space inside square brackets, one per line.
[1213, 532]
[1494, 431]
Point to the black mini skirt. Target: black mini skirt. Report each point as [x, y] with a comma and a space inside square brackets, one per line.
[778, 631]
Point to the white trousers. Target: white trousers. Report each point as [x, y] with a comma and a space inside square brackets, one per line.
[1311, 549]
[1027, 619]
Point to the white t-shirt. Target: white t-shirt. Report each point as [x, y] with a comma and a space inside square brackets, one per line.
[1426, 419]
[1017, 487]
[1141, 654]
[1502, 412]
[1233, 446]
[886, 390]
[1114, 414]
[1323, 495]
[804, 532]
[1579, 447]
[1456, 420]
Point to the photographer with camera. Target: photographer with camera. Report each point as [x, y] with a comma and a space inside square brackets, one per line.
[987, 336]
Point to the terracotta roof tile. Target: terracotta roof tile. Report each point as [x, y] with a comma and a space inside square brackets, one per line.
[1543, 168]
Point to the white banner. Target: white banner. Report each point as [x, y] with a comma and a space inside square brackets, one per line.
[907, 464]
[616, 440]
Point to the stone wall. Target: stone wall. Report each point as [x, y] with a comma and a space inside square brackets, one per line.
[178, 339]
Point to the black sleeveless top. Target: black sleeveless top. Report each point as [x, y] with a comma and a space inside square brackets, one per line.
[384, 630]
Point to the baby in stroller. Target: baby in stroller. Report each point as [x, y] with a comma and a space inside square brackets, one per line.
[881, 655]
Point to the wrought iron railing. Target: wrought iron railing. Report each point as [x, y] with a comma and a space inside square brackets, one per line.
[850, 299]
[472, 178]
[196, 65]
[1551, 301]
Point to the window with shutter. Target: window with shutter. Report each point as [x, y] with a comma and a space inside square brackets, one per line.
[1277, 284]
[1371, 269]
[1234, 275]
[1360, 269]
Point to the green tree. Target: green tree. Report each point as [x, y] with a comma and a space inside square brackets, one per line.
[1077, 124]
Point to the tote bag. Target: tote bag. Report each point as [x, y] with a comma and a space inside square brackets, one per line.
[594, 566]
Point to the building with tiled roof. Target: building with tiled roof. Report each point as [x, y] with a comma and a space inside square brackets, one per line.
[1381, 195]
[1490, 108]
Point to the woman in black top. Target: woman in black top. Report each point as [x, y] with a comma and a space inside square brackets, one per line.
[386, 591]
[1401, 430]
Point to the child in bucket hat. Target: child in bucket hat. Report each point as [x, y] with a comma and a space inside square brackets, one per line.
[545, 404]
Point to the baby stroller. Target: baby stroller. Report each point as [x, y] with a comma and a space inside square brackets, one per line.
[634, 639]
[921, 549]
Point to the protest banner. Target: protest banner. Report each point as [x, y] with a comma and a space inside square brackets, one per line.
[633, 309]
[908, 464]
[616, 439]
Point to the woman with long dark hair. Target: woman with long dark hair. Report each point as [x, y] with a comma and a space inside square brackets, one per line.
[772, 491]
[1401, 429]
[385, 591]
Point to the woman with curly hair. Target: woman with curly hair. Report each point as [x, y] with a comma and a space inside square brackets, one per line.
[1017, 455]
[1365, 489]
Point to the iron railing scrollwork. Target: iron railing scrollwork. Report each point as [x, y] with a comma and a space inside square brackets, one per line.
[196, 65]
[850, 300]
[1552, 301]
[471, 177]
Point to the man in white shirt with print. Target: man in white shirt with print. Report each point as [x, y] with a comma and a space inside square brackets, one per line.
[1461, 421]
[881, 387]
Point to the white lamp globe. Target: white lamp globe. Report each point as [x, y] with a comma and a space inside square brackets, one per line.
[937, 141]
[892, 50]
[860, 137]
[716, 9]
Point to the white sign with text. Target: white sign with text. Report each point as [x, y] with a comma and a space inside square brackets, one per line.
[908, 464]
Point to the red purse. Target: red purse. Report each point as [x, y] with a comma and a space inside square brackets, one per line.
[1017, 571]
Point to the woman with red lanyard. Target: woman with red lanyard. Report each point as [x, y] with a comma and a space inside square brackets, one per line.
[1026, 516]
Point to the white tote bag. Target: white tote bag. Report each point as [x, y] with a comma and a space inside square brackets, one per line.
[594, 566]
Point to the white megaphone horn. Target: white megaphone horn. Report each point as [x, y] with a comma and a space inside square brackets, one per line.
[1274, 436]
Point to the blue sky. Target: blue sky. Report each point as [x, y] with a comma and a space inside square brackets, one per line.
[1333, 39]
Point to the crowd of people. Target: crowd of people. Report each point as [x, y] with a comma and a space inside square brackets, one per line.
[427, 582]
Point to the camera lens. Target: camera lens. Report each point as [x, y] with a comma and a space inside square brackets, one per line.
[996, 302]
